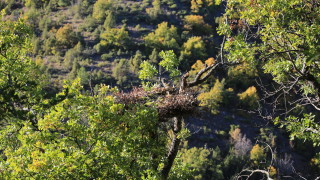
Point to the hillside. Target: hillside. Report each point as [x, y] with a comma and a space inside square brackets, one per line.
[159, 89]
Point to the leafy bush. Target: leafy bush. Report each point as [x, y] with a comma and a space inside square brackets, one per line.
[257, 154]
[114, 38]
[198, 160]
[120, 71]
[163, 38]
[66, 36]
[100, 8]
[213, 98]
[249, 98]
[194, 49]
[196, 23]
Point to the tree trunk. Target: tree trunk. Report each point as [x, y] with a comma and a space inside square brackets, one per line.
[174, 147]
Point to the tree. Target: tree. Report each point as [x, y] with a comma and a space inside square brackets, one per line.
[20, 78]
[120, 70]
[154, 56]
[176, 103]
[280, 37]
[110, 20]
[100, 8]
[200, 5]
[194, 49]
[214, 97]
[66, 36]
[85, 137]
[35, 3]
[155, 11]
[196, 23]
[114, 37]
[135, 62]
[163, 38]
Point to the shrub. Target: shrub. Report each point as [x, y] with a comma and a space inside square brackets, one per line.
[213, 98]
[155, 11]
[120, 71]
[315, 163]
[257, 154]
[241, 76]
[164, 37]
[114, 37]
[249, 98]
[194, 48]
[66, 36]
[197, 159]
[196, 23]
[100, 8]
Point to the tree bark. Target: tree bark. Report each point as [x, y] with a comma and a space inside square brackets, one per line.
[174, 148]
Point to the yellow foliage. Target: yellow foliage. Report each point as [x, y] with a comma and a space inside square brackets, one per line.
[315, 163]
[163, 37]
[257, 154]
[115, 37]
[198, 65]
[196, 5]
[99, 9]
[249, 98]
[66, 36]
[194, 47]
[210, 61]
[235, 134]
[273, 171]
[196, 23]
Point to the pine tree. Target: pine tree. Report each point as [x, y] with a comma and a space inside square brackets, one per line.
[110, 21]
[135, 62]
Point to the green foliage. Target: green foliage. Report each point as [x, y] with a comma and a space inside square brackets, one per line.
[72, 55]
[66, 36]
[100, 8]
[20, 78]
[164, 37]
[267, 135]
[305, 128]
[154, 56]
[120, 70]
[79, 72]
[201, 5]
[110, 20]
[155, 11]
[84, 137]
[169, 62]
[196, 23]
[249, 98]
[114, 38]
[135, 62]
[147, 71]
[315, 162]
[214, 97]
[286, 47]
[241, 76]
[63, 3]
[194, 48]
[36, 3]
[197, 159]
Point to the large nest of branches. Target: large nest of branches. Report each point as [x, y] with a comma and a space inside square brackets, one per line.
[137, 95]
[169, 105]
[176, 105]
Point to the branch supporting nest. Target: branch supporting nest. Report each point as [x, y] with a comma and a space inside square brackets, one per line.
[206, 71]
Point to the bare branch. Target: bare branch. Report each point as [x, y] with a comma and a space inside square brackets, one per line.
[198, 79]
